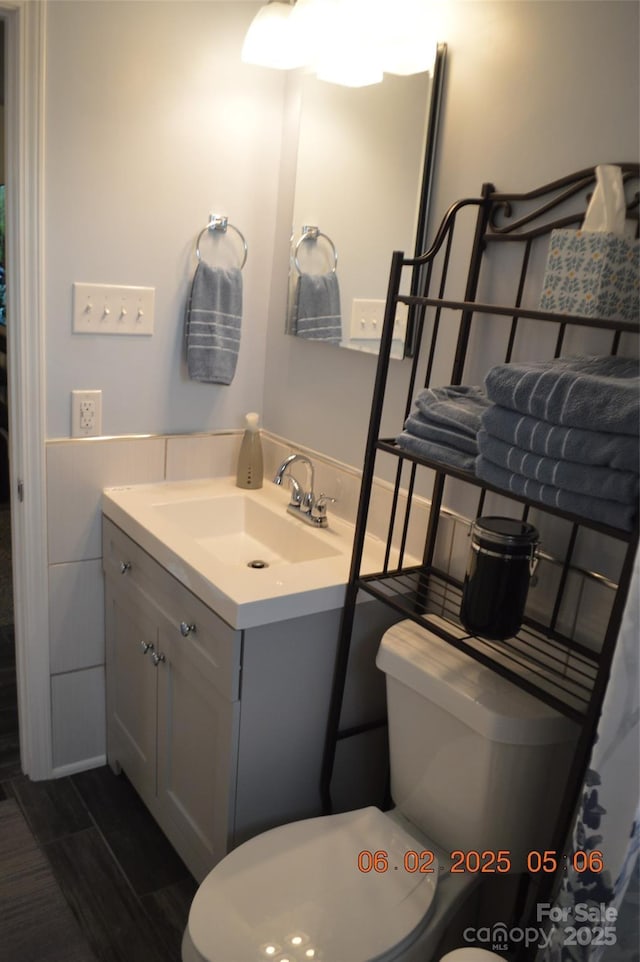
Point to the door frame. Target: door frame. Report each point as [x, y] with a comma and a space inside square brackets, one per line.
[25, 31]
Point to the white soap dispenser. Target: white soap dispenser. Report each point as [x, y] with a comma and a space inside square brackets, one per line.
[250, 469]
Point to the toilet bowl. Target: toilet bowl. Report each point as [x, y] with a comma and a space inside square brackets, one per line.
[470, 756]
[471, 954]
[355, 886]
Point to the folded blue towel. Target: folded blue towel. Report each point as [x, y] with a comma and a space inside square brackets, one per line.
[316, 309]
[432, 451]
[597, 393]
[419, 426]
[457, 407]
[212, 324]
[594, 481]
[597, 509]
[619, 451]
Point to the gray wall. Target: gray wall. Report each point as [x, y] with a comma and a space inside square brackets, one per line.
[152, 121]
[534, 91]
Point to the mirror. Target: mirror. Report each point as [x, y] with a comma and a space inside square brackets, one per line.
[362, 189]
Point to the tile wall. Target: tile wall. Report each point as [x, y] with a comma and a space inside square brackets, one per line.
[78, 470]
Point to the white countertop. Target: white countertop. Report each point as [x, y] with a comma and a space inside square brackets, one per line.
[243, 596]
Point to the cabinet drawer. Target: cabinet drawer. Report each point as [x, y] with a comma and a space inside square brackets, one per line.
[126, 561]
[187, 620]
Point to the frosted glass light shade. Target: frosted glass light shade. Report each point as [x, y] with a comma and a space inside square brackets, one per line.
[407, 59]
[270, 41]
[349, 42]
[347, 54]
[314, 24]
[349, 72]
[406, 38]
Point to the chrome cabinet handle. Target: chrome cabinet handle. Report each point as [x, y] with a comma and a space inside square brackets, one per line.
[156, 658]
[186, 629]
[124, 567]
[146, 646]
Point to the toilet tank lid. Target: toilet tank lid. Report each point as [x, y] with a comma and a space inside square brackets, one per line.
[482, 699]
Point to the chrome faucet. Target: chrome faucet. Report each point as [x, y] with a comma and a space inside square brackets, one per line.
[303, 504]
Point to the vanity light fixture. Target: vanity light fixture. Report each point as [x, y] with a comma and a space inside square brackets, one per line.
[406, 35]
[350, 71]
[347, 42]
[348, 50]
[270, 40]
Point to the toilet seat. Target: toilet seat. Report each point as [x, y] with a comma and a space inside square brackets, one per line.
[298, 892]
[469, 953]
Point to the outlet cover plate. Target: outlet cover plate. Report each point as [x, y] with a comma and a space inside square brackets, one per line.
[113, 309]
[86, 414]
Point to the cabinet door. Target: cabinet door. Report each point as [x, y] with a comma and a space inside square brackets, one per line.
[131, 687]
[197, 750]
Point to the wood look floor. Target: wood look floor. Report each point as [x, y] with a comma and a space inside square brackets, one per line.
[127, 890]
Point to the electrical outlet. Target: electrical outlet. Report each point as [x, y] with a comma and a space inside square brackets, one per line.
[86, 414]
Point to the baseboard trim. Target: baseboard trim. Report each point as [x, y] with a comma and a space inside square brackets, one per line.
[60, 771]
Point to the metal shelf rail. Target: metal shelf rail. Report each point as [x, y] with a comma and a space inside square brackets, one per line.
[448, 332]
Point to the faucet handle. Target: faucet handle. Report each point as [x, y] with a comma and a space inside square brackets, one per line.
[296, 493]
[319, 506]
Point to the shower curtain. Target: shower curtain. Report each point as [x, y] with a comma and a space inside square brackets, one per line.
[595, 916]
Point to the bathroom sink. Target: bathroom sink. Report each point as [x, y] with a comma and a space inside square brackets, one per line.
[239, 530]
[240, 551]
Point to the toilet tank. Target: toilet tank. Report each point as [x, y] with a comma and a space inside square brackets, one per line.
[476, 764]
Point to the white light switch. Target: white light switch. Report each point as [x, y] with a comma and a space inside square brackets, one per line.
[367, 316]
[111, 309]
[367, 319]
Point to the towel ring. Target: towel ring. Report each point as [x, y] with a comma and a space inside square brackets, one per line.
[216, 222]
[313, 233]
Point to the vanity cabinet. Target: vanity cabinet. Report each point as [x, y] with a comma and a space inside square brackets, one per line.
[221, 731]
[172, 700]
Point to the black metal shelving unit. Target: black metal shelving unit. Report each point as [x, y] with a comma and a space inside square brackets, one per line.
[505, 247]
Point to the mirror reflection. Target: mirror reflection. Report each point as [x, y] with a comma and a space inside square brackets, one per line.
[359, 177]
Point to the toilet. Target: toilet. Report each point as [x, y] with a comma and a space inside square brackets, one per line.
[476, 766]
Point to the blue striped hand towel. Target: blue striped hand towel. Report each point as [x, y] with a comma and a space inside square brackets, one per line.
[316, 313]
[212, 324]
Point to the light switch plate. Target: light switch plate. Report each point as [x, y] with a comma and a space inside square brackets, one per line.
[112, 309]
[367, 319]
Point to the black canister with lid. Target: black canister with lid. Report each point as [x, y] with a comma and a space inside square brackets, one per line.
[502, 559]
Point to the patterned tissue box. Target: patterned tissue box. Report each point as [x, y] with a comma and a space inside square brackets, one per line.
[593, 275]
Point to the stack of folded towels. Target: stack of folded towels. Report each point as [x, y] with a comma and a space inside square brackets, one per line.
[563, 432]
[444, 425]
